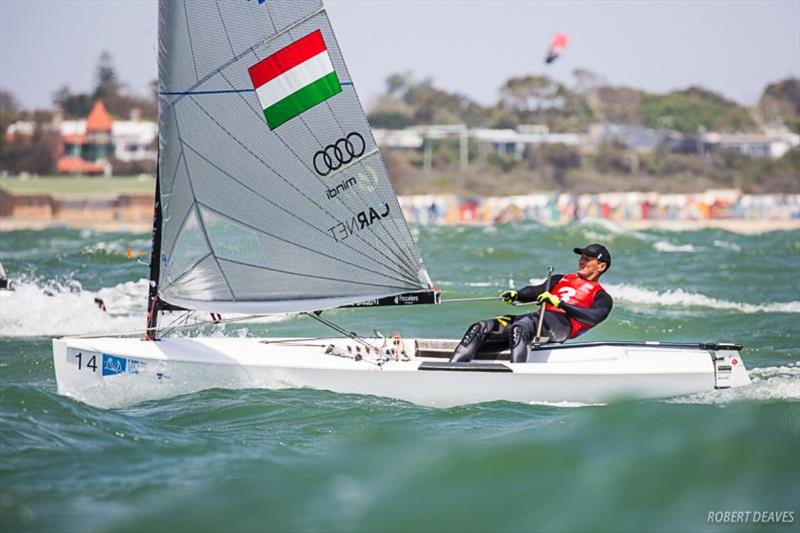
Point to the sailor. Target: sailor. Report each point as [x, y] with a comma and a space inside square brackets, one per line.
[5, 283]
[576, 303]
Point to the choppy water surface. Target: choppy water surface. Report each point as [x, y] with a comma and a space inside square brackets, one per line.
[317, 461]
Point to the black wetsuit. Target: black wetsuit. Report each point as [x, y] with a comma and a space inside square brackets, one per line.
[518, 331]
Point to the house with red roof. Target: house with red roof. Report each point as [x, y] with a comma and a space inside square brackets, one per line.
[87, 151]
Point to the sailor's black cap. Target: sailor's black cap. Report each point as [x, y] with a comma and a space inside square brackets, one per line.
[598, 251]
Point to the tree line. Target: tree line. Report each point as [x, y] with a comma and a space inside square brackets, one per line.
[539, 99]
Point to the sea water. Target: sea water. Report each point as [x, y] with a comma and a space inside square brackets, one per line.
[262, 460]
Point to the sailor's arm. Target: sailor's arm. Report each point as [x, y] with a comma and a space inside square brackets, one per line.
[593, 315]
[531, 292]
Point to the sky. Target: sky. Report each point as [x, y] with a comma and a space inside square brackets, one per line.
[735, 48]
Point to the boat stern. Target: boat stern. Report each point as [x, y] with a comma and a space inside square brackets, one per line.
[729, 369]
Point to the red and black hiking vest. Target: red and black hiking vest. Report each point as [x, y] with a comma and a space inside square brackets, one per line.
[574, 290]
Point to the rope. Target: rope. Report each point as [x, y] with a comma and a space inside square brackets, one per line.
[473, 299]
[168, 327]
[350, 334]
[479, 298]
[174, 326]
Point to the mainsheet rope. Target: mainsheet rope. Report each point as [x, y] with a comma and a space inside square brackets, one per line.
[173, 326]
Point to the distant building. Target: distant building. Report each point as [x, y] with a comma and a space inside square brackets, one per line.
[773, 144]
[21, 128]
[514, 142]
[503, 141]
[634, 137]
[89, 145]
[408, 139]
[134, 140]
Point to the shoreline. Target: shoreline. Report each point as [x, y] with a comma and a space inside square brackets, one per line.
[727, 210]
[738, 226]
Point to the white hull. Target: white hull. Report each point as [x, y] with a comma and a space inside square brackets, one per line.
[117, 372]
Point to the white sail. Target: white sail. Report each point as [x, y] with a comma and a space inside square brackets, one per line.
[267, 208]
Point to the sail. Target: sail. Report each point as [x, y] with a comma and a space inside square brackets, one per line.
[273, 193]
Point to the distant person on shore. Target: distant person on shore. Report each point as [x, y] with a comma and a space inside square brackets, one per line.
[576, 304]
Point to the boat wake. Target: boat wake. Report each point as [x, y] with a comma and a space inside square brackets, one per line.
[772, 383]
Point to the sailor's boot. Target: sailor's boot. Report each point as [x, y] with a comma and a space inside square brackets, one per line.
[520, 338]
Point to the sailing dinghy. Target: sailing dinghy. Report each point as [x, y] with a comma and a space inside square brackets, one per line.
[272, 197]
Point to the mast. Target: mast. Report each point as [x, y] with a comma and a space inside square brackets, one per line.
[155, 265]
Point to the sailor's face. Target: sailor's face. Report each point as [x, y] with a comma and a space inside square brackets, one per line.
[590, 268]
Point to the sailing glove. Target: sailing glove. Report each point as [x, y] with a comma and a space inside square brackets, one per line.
[552, 299]
[509, 297]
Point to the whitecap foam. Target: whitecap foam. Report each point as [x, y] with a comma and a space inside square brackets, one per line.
[106, 247]
[681, 298]
[66, 309]
[668, 247]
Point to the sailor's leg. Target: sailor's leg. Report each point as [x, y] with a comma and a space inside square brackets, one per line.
[557, 326]
[522, 332]
[472, 340]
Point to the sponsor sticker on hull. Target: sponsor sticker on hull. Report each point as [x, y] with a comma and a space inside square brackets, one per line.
[114, 365]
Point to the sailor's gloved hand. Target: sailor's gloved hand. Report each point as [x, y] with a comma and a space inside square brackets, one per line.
[509, 297]
[552, 299]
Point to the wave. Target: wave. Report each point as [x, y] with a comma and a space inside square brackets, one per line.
[614, 228]
[681, 298]
[666, 246]
[44, 309]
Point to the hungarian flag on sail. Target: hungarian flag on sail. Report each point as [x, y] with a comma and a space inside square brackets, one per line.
[294, 79]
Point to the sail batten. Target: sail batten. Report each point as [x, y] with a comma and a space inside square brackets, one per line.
[290, 210]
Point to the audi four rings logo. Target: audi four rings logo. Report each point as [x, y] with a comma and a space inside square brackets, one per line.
[343, 151]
